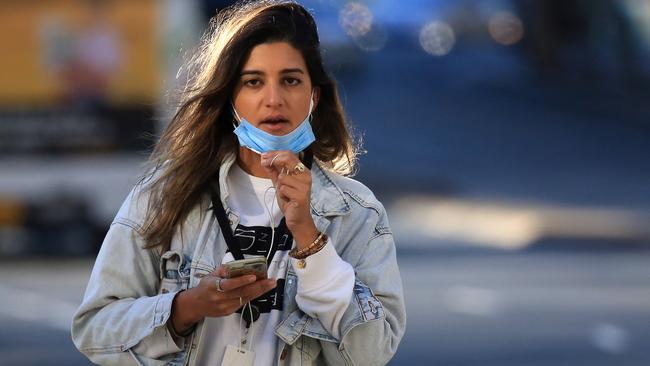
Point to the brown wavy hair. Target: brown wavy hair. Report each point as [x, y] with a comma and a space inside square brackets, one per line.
[200, 135]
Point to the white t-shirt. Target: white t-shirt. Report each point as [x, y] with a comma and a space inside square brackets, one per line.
[248, 197]
[254, 201]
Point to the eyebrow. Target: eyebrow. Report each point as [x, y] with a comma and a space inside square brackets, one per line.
[283, 71]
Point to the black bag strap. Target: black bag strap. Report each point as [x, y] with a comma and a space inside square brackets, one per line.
[224, 224]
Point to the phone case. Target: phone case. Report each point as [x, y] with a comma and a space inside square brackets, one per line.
[256, 266]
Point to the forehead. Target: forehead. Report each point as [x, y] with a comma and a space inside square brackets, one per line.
[274, 57]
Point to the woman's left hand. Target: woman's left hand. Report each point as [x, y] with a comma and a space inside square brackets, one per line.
[292, 181]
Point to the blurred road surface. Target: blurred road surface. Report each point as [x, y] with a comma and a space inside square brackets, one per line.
[474, 308]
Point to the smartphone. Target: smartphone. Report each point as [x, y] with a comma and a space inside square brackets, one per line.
[241, 267]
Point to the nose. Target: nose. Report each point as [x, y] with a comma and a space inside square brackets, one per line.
[273, 96]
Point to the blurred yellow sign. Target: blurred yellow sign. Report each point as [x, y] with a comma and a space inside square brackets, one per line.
[63, 51]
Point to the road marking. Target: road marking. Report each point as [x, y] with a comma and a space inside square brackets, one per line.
[610, 338]
[424, 219]
[475, 301]
[34, 307]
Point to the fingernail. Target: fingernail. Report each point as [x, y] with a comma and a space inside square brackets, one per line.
[251, 279]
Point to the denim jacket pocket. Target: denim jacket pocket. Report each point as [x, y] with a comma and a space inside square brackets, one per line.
[308, 348]
[370, 307]
[174, 272]
[176, 359]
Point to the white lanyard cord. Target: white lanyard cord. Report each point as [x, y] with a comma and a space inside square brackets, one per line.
[271, 218]
[252, 326]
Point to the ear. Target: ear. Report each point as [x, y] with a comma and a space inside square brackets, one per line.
[316, 96]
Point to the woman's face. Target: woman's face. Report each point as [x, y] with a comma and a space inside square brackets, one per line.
[274, 88]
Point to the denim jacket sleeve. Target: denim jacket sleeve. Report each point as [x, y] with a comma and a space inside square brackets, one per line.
[374, 322]
[122, 320]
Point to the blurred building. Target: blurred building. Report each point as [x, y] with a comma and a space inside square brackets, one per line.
[80, 102]
[87, 85]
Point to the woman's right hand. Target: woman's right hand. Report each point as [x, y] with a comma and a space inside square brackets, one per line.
[192, 305]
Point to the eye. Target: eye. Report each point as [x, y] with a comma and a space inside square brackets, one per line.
[252, 82]
[292, 81]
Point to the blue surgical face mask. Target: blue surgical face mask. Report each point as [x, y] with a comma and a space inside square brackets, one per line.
[260, 141]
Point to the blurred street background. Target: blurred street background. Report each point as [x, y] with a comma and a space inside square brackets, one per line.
[508, 139]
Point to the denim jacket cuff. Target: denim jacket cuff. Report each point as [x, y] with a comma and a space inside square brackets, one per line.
[163, 308]
[160, 341]
[364, 307]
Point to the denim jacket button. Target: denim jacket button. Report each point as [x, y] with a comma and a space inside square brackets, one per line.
[164, 291]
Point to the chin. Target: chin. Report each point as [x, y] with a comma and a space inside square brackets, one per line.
[277, 130]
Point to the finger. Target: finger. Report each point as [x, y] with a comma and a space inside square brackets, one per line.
[257, 289]
[225, 307]
[294, 189]
[279, 160]
[289, 183]
[216, 275]
[272, 173]
[250, 291]
[237, 282]
[291, 171]
[219, 272]
[304, 176]
[292, 194]
[274, 158]
[296, 181]
[282, 196]
[269, 160]
[229, 304]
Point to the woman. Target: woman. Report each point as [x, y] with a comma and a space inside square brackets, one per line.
[252, 165]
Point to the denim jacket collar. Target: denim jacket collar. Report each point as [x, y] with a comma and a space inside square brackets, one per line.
[327, 198]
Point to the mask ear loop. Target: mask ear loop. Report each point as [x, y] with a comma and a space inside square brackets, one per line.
[237, 117]
[311, 106]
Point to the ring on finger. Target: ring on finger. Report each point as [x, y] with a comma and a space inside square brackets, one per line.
[299, 168]
[273, 160]
[219, 288]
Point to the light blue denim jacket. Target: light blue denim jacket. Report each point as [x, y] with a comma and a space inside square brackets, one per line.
[122, 319]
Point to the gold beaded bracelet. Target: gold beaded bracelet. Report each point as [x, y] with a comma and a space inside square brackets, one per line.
[313, 248]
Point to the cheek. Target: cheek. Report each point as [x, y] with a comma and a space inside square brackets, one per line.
[244, 103]
[301, 106]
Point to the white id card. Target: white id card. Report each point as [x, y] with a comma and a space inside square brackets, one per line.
[236, 356]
